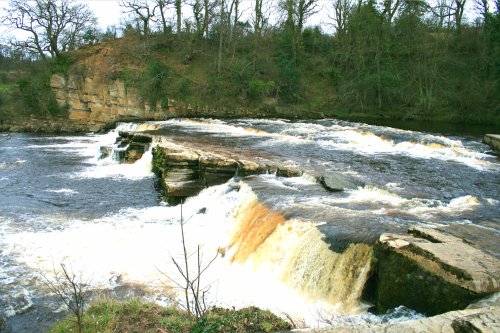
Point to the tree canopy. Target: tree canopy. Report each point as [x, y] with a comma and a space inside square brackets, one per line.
[53, 26]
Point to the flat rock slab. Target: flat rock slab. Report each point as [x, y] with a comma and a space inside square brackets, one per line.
[187, 169]
[449, 257]
[483, 320]
[431, 272]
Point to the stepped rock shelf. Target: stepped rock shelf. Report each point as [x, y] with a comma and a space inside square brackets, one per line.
[186, 168]
[185, 171]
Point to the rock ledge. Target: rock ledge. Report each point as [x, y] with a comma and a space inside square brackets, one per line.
[432, 272]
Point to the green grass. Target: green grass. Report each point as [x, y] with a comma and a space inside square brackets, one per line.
[6, 88]
[135, 316]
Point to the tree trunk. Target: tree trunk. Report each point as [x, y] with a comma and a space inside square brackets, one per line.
[459, 11]
[206, 4]
[221, 37]
[178, 5]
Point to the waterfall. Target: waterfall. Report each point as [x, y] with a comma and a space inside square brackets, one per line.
[256, 223]
[322, 273]
[297, 250]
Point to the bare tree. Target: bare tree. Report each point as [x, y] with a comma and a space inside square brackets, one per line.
[459, 12]
[143, 10]
[71, 290]
[341, 10]
[162, 7]
[54, 26]
[222, 14]
[258, 18]
[178, 11]
[297, 12]
[233, 17]
[450, 8]
[193, 291]
[390, 9]
[197, 7]
[482, 7]
[443, 11]
[208, 8]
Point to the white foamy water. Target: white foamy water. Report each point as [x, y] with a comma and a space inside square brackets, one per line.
[134, 242]
[136, 246]
[388, 201]
[65, 191]
[107, 168]
[372, 144]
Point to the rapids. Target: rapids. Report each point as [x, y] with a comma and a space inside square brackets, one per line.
[285, 244]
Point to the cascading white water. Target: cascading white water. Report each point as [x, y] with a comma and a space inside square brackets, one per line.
[63, 203]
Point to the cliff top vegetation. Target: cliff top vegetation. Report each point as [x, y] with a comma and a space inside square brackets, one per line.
[396, 60]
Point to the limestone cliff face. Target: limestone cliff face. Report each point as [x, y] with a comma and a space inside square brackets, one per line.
[93, 101]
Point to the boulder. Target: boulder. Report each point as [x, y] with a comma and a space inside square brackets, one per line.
[431, 272]
[288, 172]
[336, 183]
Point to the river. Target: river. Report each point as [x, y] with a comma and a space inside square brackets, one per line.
[60, 202]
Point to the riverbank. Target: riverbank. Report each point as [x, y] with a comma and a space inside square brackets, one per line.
[63, 125]
[136, 316]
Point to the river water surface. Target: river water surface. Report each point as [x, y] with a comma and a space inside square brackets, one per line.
[61, 203]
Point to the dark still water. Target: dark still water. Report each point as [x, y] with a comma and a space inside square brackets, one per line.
[60, 203]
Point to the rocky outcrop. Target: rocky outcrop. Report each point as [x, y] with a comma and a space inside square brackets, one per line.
[131, 147]
[431, 272]
[483, 320]
[94, 101]
[493, 140]
[186, 170]
[51, 125]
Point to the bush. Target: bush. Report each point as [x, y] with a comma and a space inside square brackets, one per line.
[155, 89]
[135, 316]
[183, 87]
[246, 320]
[4, 77]
[214, 87]
[37, 95]
[258, 89]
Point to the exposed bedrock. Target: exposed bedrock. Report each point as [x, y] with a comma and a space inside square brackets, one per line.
[128, 148]
[427, 270]
[493, 140]
[186, 170]
[336, 183]
[482, 320]
[431, 272]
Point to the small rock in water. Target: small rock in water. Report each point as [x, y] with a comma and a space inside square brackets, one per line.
[336, 183]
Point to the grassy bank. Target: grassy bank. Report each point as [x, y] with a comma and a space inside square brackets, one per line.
[135, 316]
